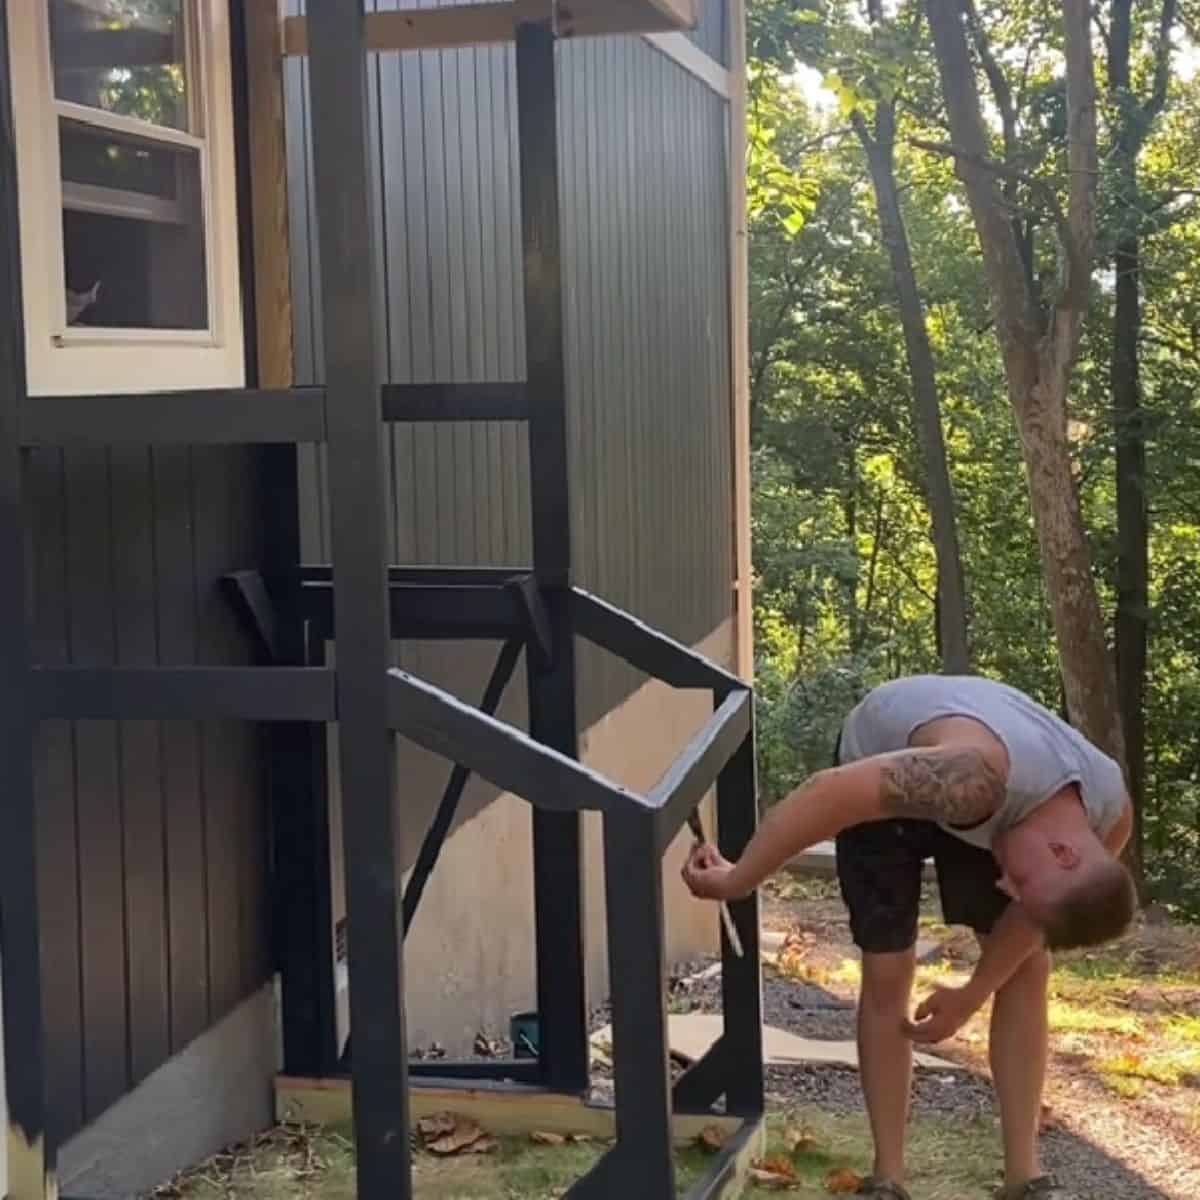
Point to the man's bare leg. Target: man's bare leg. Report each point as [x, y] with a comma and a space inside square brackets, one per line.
[885, 1055]
[1018, 1052]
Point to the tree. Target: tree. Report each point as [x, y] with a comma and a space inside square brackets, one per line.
[878, 140]
[1039, 341]
[1133, 119]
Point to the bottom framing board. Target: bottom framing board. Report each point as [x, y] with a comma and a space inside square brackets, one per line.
[507, 1110]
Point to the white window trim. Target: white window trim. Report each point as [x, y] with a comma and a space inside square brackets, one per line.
[87, 360]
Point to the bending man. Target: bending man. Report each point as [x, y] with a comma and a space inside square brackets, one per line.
[1012, 804]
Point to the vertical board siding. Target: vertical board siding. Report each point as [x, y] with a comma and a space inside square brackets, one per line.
[645, 238]
[152, 834]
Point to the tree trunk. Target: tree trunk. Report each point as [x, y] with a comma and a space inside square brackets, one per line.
[1133, 533]
[1039, 349]
[927, 416]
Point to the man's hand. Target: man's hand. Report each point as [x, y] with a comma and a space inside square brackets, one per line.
[708, 875]
[942, 1014]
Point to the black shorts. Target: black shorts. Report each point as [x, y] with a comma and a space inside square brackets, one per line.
[880, 866]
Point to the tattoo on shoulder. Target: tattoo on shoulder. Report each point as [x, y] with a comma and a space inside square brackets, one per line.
[950, 785]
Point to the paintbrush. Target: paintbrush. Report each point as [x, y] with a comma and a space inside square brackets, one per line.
[697, 828]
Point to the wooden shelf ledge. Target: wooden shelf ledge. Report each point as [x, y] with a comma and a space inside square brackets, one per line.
[484, 24]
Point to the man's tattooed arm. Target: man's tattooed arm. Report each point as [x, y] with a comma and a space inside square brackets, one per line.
[953, 785]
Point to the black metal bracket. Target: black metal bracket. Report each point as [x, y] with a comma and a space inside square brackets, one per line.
[247, 593]
[540, 634]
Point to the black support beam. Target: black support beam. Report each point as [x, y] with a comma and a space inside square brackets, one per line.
[455, 402]
[645, 648]
[695, 771]
[501, 754]
[357, 491]
[432, 611]
[32, 1142]
[439, 829]
[221, 417]
[557, 837]
[637, 966]
[741, 975]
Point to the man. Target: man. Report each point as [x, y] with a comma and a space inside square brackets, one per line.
[1013, 805]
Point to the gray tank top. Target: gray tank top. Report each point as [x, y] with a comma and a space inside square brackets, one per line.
[1045, 754]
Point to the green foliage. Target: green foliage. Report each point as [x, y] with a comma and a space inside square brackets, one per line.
[845, 571]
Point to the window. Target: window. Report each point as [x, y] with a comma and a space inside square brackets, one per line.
[125, 158]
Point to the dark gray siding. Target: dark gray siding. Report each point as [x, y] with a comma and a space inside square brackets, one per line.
[152, 842]
[645, 242]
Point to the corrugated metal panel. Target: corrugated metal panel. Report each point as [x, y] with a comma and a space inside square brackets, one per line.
[645, 251]
[142, 954]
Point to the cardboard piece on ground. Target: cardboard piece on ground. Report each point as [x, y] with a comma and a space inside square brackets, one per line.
[691, 1035]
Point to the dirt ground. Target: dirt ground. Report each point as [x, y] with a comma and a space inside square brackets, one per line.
[1122, 1120]
[1122, 1115]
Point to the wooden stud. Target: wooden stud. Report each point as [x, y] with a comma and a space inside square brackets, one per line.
[683, 52]
[357, 493]
[484, 24]
[739, 310]
[503, 1110]
[268, 193]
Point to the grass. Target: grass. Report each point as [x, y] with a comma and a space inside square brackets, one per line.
[951, 1158]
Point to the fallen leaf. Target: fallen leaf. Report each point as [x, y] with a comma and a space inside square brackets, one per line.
[778, 1164]
[712, 1138]
[436, 1126]
[799, 1141]
[843, 1182]
[484, 1145]
[485, 1047]
[462, 1134]
[547, 1139]
[772, 1180]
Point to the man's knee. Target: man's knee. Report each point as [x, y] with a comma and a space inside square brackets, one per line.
[887, 981]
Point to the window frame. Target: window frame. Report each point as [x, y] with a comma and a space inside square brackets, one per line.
[64, 359]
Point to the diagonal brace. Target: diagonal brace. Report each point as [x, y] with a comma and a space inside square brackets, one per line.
[435, 838]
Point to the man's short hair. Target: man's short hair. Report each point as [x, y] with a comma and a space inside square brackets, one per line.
[1099, 908]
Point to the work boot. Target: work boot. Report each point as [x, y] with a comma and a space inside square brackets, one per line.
[882, 1189]
[1044, 1187]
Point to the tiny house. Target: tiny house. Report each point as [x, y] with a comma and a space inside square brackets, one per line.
[374, 447]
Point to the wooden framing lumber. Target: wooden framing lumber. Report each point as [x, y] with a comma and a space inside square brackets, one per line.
[644, 647]
[483, 24]
[501, 754]
[739, 312]
[727, 1178]
[266, 120]
[503, 1110]
[217, 417]
[682, 51]
[695, 771]
[338, 73]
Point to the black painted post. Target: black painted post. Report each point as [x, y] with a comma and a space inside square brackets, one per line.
[301, 874]
[637, 967]
[557, 847]
[31, 1140]
[741, 977]
[338, 73]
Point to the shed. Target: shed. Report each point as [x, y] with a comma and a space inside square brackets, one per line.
[374, 505]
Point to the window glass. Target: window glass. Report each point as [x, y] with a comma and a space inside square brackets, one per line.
[126, 57]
